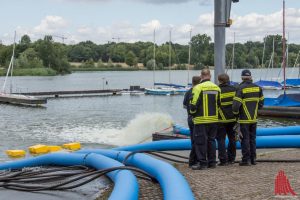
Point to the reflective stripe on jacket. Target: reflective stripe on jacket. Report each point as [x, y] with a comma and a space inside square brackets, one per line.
[205, 103]
[248, 99]
[227, 94]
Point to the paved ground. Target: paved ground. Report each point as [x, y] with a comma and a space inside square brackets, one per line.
[235, 182]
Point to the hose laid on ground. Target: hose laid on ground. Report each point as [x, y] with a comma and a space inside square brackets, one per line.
[172, 182]
[288, 130]
[262, 142]
[125, 183]
[157, 153]
[12, 182]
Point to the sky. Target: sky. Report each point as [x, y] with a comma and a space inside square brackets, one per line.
[134, 20]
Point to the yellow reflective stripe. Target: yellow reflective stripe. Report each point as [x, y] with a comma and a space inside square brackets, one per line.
[247, 121]
[255, 114]
[222, 114]
[251, 99]
[237, 99]
[206, 105]
[262, 98]
[226, 103]
[246, 111]
[226, 95]
[250, 90]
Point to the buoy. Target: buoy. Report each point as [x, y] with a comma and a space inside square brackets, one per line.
[15, 153]
[38, 149]
[72, 146]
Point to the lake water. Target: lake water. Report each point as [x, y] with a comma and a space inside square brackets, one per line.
[100, 121]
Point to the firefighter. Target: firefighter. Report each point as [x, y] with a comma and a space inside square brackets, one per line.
[248, 99]
[187, 98]
[204, 109]
[227, 122]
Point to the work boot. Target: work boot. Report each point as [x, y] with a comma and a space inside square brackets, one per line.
[223, 164]
[212, 165]
[230, 162]
[199, 167]
[245, 163]
[253, 161]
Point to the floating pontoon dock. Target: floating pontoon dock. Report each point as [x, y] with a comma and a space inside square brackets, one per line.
[69, 93]
[22, 99]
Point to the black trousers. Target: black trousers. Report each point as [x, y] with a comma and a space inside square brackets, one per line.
[248, 142]
[204, 142]
[192, 157]
[223, 130]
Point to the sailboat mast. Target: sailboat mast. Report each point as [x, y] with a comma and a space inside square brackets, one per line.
[154, 58]
[263, 57]
[273, 52]
[10, 66]
[233, 52]
[170, 55]
[284, 46]
[189, 61]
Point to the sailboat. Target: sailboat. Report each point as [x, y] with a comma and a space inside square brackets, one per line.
[284, 100]
[17, 98]
[294, 82]
[163, 88]
[269, 84]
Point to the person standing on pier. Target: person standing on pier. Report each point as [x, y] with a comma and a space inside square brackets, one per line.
[248, 99]
[204, 108]
[227, 122]
[186, 104]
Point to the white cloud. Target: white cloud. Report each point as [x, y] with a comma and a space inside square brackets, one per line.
[149, 27]
[252, 26]
[51, 24]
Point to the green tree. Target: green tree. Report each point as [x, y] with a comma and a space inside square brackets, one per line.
[131, 59]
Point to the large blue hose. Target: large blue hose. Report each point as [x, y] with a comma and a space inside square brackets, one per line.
[173, 184]
[125, 183]
[262, 142]
[288, 130]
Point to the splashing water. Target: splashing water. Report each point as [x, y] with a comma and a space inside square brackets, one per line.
[137, 130]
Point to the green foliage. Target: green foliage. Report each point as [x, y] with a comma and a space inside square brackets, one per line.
[45, 53]
[29, 59]
[131, 59]
[34, 72]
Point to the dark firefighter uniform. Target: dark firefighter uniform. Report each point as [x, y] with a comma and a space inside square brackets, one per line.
[248, 99]
[205, 110]
[227, 123]
[186, 103]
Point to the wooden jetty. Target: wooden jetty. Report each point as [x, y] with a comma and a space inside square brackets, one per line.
[278, 111]
[72, 93]
[21, 99]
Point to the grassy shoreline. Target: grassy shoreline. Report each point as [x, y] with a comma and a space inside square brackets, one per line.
[31, 72]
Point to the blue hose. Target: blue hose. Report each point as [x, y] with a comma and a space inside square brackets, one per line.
[288, 130]
[125, 183]
[262, 142]
[173, 184]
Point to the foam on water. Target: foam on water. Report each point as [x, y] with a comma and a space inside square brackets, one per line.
[137, 130]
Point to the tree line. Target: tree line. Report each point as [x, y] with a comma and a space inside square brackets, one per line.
[48, 54]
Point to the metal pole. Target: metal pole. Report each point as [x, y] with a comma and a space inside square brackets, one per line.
[154, 58]
[189, 62]
[284, 46]
[233, 52]
[219, 30]
[170, 56]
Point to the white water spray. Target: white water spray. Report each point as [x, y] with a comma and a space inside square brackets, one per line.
[137, 130]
